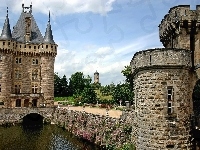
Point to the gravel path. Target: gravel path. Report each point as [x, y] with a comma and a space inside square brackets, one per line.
[100, 111]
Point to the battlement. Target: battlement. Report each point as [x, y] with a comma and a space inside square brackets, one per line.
[171, 26]
[16, 47]
[161, 57]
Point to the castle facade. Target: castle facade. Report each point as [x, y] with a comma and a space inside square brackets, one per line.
[26, 63]
[167, 104]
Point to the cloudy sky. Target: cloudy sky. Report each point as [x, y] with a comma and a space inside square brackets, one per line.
[100, 35]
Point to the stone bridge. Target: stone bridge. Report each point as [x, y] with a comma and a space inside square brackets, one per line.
[16, 115]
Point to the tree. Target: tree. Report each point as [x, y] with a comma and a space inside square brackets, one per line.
[128, 74]
[64, 86]
[89, 96]
[76, 83]
[61, 87]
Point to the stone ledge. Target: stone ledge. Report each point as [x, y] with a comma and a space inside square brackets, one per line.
[160, 67]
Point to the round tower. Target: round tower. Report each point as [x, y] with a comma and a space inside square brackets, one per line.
[6, 49]
[163, 91]
[96, 77]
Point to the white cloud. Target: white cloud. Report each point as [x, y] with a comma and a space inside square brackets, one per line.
[62, 7]
[106, 60]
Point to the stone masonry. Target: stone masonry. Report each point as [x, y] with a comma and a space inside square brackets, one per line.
[26, 63]
[164, 79]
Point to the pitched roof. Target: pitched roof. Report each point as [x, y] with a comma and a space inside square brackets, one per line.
[18, 32]
[6, 32]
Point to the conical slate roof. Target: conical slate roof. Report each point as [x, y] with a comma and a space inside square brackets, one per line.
[18, 32]
[48, 38]
[6, 32]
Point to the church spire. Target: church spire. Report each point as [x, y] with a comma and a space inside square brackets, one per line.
[6, 32]
[48, 38]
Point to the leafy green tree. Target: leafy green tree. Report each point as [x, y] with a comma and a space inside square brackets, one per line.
[122, 92]
[64, 86]
[57, 85]
[60, 86]
[76, 83]
[128, 74]
[89, 96]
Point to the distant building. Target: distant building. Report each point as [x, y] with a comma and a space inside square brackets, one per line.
[26, 63]
[96, 77]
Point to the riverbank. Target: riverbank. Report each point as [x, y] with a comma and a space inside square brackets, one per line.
[102, 130]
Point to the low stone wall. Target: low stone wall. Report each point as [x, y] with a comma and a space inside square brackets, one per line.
[101, 130]
[15, 115]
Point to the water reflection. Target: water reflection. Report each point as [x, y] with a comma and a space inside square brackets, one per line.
[48, 137]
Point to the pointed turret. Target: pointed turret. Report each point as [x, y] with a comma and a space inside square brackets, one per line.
[48, 38]
[6, 32]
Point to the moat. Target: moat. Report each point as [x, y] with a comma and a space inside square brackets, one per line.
[48, 137]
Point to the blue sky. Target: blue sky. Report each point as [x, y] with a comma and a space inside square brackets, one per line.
[100, 35]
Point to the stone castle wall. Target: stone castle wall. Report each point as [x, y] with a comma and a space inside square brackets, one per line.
[156, 129]
[5, 75]
[47, 82]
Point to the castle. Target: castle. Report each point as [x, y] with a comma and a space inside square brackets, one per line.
[166, 85]
[26, 63]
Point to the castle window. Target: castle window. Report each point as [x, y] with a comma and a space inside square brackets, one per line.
[34, 47]
[3, 43]
[18, 74]
[0, 75]
[18, 103]
[34, 88]
[35, 61]
[17, 89]
[8, 43]
[29, 47]
[18, 60]
[46, 46]
[20, 46]
[170, 98]
[0, 87]
[150, 60]
[34, 74]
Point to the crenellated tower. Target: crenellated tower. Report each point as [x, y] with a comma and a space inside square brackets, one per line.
[180, 29]
[26, 63]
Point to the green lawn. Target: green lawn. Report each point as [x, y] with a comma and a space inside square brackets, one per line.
[102, 97]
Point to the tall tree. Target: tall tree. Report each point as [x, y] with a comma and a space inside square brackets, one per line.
[128, 74]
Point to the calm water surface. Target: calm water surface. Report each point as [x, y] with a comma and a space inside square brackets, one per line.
[49, 137]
